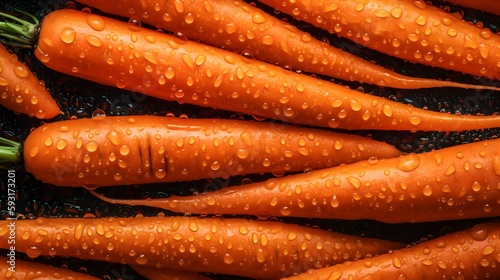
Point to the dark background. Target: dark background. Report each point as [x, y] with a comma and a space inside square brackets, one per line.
[83, 99]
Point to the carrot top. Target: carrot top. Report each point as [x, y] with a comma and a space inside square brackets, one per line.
[9, 151]
[18, 32]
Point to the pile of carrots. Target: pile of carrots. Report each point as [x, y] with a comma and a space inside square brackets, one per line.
[269, 140]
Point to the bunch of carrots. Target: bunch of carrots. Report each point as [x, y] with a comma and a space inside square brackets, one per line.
[229, 138]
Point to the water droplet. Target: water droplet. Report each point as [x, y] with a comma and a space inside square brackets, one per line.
[142, 260]
[21, 71]
[61, 144]
[189, 18]
[258, 18]
[93, 41]
[479, 232]
[228, 259]
[95, 22]
[68, 35]
[387, 110]
[496, 165]
[134, 24]
[427, 190]
[381, 13]
[408, 163]
[124, 150]
[91, 146]
[396, 12]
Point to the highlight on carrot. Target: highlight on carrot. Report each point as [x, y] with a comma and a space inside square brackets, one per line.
[153, 273]
[410, 30]
[117, 150]
[241, 27]
[467, 254]
[21, 91]
[490, 6]
[242, 247]
[24, 270]
[459, 182]
[116, 53]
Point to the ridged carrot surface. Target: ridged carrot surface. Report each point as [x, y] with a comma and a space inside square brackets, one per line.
[107, 151]
[241, 27]
[468, 254]
[408, 29]
[454, 183]
[490, 6]
[21, 91]
[24, 270]
[116, 53]
[256, 249]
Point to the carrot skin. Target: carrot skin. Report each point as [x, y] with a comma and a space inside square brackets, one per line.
[467, 254]
[454, 183]
[24, 270]
[256, 249]
[21, 91]
[490, 6]
[110, 151]
[153, 273]
[241, 27]
[112, 52]
[410, 30]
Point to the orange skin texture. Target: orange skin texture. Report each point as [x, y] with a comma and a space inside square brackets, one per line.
[21, 91]
[110, 151]
[242, 247]
[410, 30]
[459, 182]
[241, 27]
[25, 270]
[152, 273]
[115, 53]
[490, 6]
[469, 254]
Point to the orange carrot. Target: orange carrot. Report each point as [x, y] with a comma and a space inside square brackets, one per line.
[411, 30]
[153, 273]
[467, 254]
[108, 151]
[21, 91]
[257, 249]
[241, 27]
[490, 6]
[454, 183]
[116, 53]
[15, 269]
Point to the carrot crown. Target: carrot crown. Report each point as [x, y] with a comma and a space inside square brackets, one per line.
[17, 32]
[9, 151]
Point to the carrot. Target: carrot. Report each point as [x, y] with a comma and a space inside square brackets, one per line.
[241, 27]
[116, 53]
[410, 30]
[108, 151]
[467, 254]
[459, 182]
[256, 249]
[16, 269]
[490, 6]
[21, 91]
[152, 273]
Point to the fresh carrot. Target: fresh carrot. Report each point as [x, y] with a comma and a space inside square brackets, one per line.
[241, 27]
[242, 247]
[459, 182]
[467, 254]
[490, 6]
[116, 53]
[107, 151]
[411, 30]
[16, 269]
[153, 273]
[21, 91]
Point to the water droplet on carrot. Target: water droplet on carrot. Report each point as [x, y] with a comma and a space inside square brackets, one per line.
[21, 71]
[91, 146]
[134, 24]
[479, 232]
[124, 150]
[427, 190]
[61, 144]
[93, 41]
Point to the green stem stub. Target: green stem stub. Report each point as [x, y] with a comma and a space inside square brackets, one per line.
[16, 31]
[9, 151]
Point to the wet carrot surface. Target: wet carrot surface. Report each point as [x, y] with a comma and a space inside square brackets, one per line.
[79, 98]
[256, 249]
